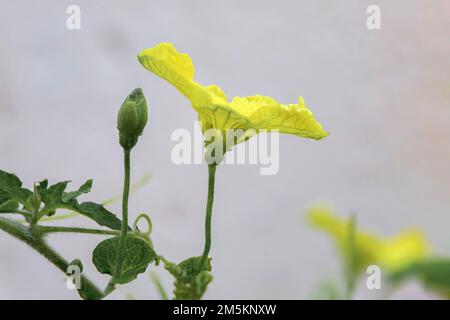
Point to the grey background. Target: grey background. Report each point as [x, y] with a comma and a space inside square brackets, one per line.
[383, 95]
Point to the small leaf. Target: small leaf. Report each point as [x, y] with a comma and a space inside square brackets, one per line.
[136, 256]
[85, 188]
[52, 196]
[189, 283]
[99, 214]
[11, 189]
[43, 184]
[9, 180]
[55, 198]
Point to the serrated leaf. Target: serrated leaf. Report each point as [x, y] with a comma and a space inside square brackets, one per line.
[9, 180]
[11, 189]
[99, 214]
[189, 283]
[43, 184]
[85, 188]
[55, 198]
[136, 256]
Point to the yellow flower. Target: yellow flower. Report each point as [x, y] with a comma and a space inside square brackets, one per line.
[215, 111]
[391, 254]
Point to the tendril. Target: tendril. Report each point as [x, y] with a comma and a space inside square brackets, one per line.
[149, 224]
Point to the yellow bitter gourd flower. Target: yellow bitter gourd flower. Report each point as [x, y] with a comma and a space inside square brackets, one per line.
[252, 113]
[390, 254]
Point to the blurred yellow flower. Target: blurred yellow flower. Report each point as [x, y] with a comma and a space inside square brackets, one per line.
[254, 112]
[391, 254]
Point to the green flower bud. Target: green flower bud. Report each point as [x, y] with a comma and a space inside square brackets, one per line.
[132, 118]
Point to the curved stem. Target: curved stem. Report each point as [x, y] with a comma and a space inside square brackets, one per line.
[88, 289]
[208, 217]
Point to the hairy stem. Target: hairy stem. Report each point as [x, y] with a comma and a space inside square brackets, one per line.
[33, 239]
[125, 196]
[208, 216]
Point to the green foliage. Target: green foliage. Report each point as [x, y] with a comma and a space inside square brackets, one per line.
[85, 188]
[190, 284]
[11, 189]
[433, 272]
[55, 197]
[99, 214]
[9, 206]
[136, 255]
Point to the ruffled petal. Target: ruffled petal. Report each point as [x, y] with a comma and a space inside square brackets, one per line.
[177, 68]
[266, 113]
[255, 112]
[209, 101]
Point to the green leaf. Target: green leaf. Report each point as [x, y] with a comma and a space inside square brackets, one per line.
[85, 188]
[99, 214]
[55, 198]
[11, 189]
[9, 180]
[189, 283]
[433, 272]
[136, 256]
[4, 197]
[9, 206]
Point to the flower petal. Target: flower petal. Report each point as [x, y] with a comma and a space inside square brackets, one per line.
[266, 113]
[177, 68]
[218, 114]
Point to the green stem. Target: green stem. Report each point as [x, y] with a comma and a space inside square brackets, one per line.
[109, 288]
[125, 196]
[24, 213]
[56, 229]
[33, 239]
[208, 217]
